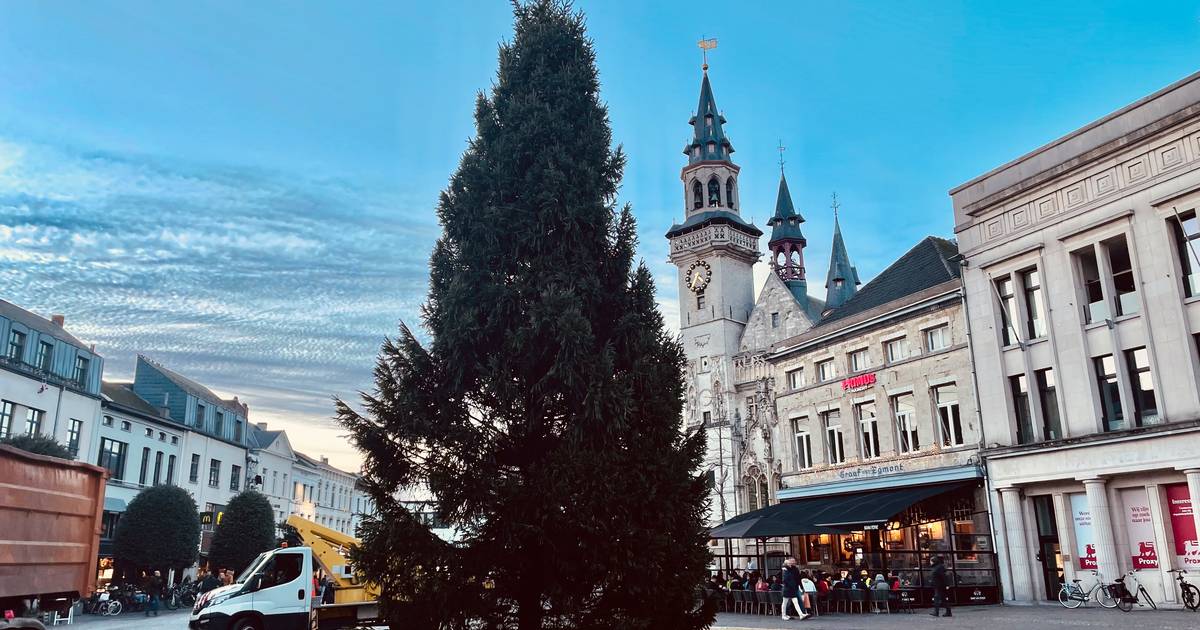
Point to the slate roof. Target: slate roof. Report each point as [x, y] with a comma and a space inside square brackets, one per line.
[122, 394]
[699, 220]
[785, 224]
[703, 134]
[840, 269]
[38, 323]
[190, 386]
[259, 438]
[926, 265]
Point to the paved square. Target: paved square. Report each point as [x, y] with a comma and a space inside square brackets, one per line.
[979, 618]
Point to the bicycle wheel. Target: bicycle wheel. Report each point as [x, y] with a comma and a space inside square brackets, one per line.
[114, 607]
[1105, 598]
[1142, 594]
[1123, 602]
[1191, 596]
[172, 601]
[1068, 598]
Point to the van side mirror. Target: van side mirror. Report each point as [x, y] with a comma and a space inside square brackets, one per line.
[254, 583]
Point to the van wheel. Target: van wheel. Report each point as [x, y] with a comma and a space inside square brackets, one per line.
[247, 623]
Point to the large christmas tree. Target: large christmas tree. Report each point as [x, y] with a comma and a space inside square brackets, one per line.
[543, 415]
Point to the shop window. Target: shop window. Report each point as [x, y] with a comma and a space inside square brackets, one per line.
[1144, 403]
[1020, 393]
[868, 425]
[905, 409]
[826, 371]
[946, 399]
[897, 350]
[1048, 391]
[795, 378]
[1186, 231]
[859, 360]
[1008, 309]
[835, 452]
[1035, 308]
[1110, 393]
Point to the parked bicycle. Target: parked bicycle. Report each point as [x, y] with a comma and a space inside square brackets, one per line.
[1126, 598]
[1188, 593]
[102, 604]
[180, 595]
[1073, 596]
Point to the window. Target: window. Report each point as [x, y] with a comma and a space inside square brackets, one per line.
[174, 440]
[1110, 393]
[237, 431]
[16, 345]
[235, 477]
[699, 302]
[219, 424]
[200, 416]
[714, 189]
[937, 338]
[834, 448]
[112, 457]
[859, 360]
[1186, 231]
[107, 421]
[703, 364]
[804, 458]
[946, 399]
[751, 407]
[795, 378]
[81, 370]
[1008, 309]
[126, 426]
[729, 193]
[1047, 391]
[73, 436]
[1122, 274]
[194, 472]
[158, 461]
[1144, 402]
[145, 465]
[897, 350]
[33, 421]
[45, 356]
[162, 437]
[1093, 291]
[6, 416]
[149, 432]
[1035, 310]
[707, 418]
[825, 371]
[904, 407]
[1020, 394]
[697, 195]
[214, 473]
[774, 320]
[170, 470]
[868, 429]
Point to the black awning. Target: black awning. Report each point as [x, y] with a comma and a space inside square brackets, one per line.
[833, 514]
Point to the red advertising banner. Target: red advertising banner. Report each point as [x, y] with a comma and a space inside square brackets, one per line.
[1140, 528]
[1183, 525]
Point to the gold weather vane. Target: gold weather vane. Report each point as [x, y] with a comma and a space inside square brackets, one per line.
[781, 150]
[705, 46]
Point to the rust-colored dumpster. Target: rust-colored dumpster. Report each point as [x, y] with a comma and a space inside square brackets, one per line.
[50, 519]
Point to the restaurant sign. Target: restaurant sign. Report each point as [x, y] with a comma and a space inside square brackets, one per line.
[870, 472]
[857, 383]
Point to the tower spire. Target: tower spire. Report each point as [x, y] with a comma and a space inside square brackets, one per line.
[709, 142]
[842, 283]
[787, 240]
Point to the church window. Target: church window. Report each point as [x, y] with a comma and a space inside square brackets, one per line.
[774, 320]
[714, 193]
[729, 192]
[764, 494]
[697, 195]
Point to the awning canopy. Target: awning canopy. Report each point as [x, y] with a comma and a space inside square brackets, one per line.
[833, 514]
[113, 504]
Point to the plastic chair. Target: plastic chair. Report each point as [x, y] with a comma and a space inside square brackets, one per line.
[739, 601]
[856, 596]
[838, 597]
[776, 602]
[762, 602]
[881, 597]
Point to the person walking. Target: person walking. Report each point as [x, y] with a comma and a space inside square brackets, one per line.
[791, 590]
[939, 587]
[154, 588]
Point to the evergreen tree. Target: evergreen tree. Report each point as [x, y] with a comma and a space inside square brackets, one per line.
[246, 529]
[160, 529]
[38, 444]
[543, 418]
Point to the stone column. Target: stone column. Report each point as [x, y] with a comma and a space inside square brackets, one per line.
[1106, 556]
[1018, 548]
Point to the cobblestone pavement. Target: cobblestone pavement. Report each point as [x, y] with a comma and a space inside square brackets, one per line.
[166, 620]
[979, 618]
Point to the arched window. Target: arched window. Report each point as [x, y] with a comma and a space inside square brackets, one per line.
[729, 193]
[697, 195]
[764, 493]
[714, 193]
[751, 495]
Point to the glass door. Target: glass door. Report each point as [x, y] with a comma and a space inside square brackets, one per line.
[1049, 553]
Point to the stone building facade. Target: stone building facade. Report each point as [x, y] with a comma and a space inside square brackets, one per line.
[1081, 281]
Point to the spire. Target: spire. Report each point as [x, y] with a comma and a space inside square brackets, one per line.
[785, 223]
[787, 242]
[843, 281]
[708, 136]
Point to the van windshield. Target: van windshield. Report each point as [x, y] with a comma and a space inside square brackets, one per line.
[250, 570]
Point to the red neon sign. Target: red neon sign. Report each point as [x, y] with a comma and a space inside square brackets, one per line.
[858, 382]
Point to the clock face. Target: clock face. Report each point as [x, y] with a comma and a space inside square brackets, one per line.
[698, 276]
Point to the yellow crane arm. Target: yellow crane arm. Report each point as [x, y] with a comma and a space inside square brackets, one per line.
[331, 549]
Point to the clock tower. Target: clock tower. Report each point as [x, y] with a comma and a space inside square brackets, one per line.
[715, 250]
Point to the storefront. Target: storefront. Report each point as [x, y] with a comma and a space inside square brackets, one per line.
[893, 526]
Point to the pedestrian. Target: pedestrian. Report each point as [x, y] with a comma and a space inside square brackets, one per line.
[939, 587]
[154, 588]
[791, 590]
[227, 576]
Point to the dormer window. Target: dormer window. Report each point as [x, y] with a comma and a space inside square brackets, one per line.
[708, 121]
[712, 148]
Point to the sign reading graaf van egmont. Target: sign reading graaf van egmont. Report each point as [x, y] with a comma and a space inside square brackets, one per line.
[1140, 528]
[1183, 525]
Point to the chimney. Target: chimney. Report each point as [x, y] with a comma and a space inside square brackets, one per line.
[324, 460]
[262, 426]
[58, 320]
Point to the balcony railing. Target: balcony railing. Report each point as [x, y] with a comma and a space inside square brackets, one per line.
[749, 368]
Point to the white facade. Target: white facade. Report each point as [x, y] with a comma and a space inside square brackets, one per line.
[1081, 290]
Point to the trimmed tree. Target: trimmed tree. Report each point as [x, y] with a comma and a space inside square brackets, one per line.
[246, 529]
[160, 529]
[543, 417]
[38, 444]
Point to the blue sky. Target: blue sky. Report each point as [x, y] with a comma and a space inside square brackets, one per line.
[245, 191]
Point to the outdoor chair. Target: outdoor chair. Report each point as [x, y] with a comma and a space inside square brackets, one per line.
[855, 597]
[825, 600]
[776, 602]
[880, 598]
[762, 602]
[739, 601]
[838, 597]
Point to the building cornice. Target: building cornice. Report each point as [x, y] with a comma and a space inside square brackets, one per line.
[1092, 439]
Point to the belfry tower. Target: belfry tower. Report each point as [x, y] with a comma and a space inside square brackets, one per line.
[787, 242]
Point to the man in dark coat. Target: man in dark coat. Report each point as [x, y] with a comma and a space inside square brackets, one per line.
[791, 590]
[939, 587]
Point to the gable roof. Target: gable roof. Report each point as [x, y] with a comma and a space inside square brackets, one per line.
[122, 394]
[926, 265]
[37, 322]
[192, 387]
[261, 438]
